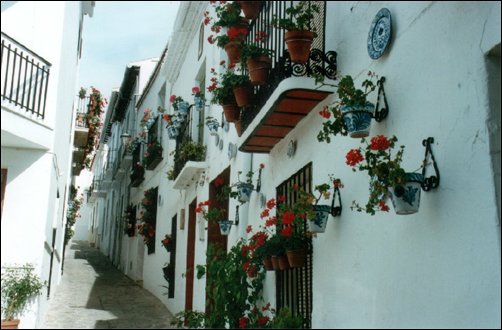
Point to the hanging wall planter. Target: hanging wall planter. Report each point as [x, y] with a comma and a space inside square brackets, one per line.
[251, 9]
[357, 119]
[172, 132]
[225, 226]
[245, 190]
[318, 223]
[243, 94]
[233, 49]
[296, 258]
[258, 69]
[406, 199]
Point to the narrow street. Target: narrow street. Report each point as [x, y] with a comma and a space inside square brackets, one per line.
[94, 295]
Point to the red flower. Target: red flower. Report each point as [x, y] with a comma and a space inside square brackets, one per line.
[243, 322]
[271, 203]
[219, 181]
[210, 40]
[264, 214]
[172, 98]
[288, 218]
[262, 321]
[281, 198]
[234, 33]
[261, 36]
[249, 229]
[287, 231]
[354, 157]
[383, 206]
[195, 90]
[379, 142]
[325, 113]
[271, 222]
[166, 117]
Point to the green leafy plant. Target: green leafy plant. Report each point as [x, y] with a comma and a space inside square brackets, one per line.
[297, 17]
[284, 319]
[222, 86]
[210, 212]
[153, 151]
[384, 170]
[348, 96]
[19, 284]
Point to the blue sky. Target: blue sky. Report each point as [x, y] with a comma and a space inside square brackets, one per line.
[121, 32]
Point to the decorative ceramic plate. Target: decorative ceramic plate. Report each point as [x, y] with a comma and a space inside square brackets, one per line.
[379, 35]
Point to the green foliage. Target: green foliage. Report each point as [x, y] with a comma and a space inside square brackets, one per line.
[297, 17]
[189, 319]
[253, 51]
[284, 319]
[19, 284]
[153, 151]
[348, 96]
[190, 150]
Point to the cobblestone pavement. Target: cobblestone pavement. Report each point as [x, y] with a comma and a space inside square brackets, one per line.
[93, 294]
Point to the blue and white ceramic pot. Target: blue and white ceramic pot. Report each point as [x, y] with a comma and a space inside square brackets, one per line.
[183, 109]
[406, 199]
[245, 190]
[172, 131]
[213, 127]
[199, 102]
[225, 226]
[358, 119]
[318, 223]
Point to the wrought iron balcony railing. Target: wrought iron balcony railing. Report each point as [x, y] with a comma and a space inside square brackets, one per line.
[25, 77]
[321, 63]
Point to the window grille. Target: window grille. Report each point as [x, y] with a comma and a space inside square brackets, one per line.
[294, 286]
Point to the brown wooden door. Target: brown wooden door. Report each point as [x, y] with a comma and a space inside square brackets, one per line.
[190, 257]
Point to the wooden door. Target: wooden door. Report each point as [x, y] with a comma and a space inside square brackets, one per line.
[190, 264]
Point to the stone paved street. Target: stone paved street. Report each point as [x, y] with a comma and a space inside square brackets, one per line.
[94, 295]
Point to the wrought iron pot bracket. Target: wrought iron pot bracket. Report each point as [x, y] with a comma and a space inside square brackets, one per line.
[431, 182]
[381, 114]
[336, 210]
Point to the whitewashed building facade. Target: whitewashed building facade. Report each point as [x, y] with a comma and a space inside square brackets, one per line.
[437, 268]
[41, 48]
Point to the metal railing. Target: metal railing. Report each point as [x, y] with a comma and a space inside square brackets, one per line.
[25, 77]
[82, 110]
[320, 63]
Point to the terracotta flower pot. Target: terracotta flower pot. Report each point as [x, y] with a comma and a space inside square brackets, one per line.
[296, 258]
[267, 263]
[243, 95]
[258, 69]
[233, 49]
[275, 262]
[12, 324]
[251, 9]
[283, 262]
[232, 111]
[238, 127]
[299, 43]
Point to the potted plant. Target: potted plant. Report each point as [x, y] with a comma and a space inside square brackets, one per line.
[298, 35]
[19, 285]
[130, 220]
[198, 96]
[222, 90]
[172, 127]
[179, 105]
[387, 178]
[352, 112]
[251, 9]
[152, 155]
[213, 213]
[284, 319]
[231, 42]
[82, 93]
[257, 59]
[168, 242]
[319, 216]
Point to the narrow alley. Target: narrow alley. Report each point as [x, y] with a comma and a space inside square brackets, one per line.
[94, 295]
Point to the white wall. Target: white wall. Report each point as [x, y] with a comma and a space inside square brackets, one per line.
[437, 268]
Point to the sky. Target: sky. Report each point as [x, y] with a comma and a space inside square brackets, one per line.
[121, 32]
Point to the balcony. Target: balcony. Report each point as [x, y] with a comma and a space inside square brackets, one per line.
[24, 88]
[78, 161]
[290, 93]
[81, 127]
[25, 77]
[97, 190]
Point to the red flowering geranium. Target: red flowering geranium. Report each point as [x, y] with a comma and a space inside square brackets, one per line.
[210, 212]
[384, 170]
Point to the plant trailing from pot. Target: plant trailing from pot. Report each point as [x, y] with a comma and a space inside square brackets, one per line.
[227, 15]
[210, 212]
[179, 105]
[387, 177]
[299, 35]
[130, 220]
[319, 215]
[352, 112]
[242, 189]
[19, 284]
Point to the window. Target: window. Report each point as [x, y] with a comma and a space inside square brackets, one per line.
[294, 286]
